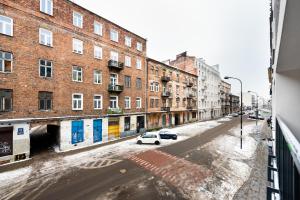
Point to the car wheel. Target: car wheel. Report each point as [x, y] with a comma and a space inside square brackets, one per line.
[174, 138]
[139, 142]
[157, 142]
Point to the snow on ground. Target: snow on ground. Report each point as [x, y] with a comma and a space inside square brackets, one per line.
[231, 165]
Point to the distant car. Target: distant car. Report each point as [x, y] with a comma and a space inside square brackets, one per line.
[242, 113]
[148, 138]
[234, 115]
[167, 134]
[253, 116]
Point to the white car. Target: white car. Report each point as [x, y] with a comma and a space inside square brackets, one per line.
[148, 138]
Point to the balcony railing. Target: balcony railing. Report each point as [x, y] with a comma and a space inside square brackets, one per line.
[165, 94]
[115, 88]
[115, 65]
[167, 109]
[114, 111]
[165, 79]
[190, 95]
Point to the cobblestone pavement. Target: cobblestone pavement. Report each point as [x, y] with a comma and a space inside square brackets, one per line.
[255, 187]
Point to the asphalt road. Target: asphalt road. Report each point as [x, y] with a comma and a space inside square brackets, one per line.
[135, 178]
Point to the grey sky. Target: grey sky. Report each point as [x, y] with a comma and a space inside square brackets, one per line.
[232, 33]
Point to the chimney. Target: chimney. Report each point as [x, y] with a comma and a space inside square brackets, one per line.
[184, 54]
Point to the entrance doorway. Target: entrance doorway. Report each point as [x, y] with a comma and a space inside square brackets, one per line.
[177, 119]
[140, 123]
[6, 141]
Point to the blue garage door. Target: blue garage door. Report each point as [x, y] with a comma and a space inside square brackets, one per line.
[97, 130]
[77, 131]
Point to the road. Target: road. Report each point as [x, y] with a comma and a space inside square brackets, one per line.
[169, 172]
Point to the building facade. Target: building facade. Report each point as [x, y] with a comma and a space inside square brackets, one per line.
[249, 101]
[63, 65]
[225, 91]
[284, 77]
[172, 95]
[209, 99]
[234, 103]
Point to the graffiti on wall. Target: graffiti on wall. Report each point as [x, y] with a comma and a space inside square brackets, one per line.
[5, 148]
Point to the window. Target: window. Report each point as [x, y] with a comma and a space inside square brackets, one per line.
[77, 46]
[151, 103]
[127, 124]
[6, 25]
[127, 81]
[6, 62]
[46, 6]
[77, 100]
[77, 74]
[177, 77]
[156, 87]
[152, 86]
[127, 102]
[138, 102]
[77, 19]
[138, 64]
[156, 71]
[177, 89]
[114, 35]
[97, 77]
[98, 28]
[156, 103]
[5, 100]
[45, 68]
[138, 83]
[114, 56]
[97, 52]
[45, 100]
[97, 102]
[127, 61]
[139, 46]
[113, 102]
[128, 41]
[45, 37]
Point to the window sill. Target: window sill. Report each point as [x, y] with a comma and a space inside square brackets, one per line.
[7, 35]
[50, 15]
[77, 53]
[77, 109]
[44, 45]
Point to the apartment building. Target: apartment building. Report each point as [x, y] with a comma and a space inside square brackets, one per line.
[284, 77]
[64, 66]
[234, 103]
[209, 81]
[172, 95]
[225, 91]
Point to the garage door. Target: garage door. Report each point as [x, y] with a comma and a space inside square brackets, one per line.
[97, 127]
[113, 128]
[77, 132]
[6, 141]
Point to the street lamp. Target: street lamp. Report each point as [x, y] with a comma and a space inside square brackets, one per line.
[256, 105]
[228, 77]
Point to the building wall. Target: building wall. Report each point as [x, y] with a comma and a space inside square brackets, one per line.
[225, 91]
[27, 51]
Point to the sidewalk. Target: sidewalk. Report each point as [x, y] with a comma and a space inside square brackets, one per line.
[255, 186]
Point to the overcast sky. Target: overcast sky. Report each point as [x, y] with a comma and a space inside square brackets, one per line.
[231, 33]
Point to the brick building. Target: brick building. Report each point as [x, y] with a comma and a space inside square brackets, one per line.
[225, 91]
[172, 95]
[65, 66]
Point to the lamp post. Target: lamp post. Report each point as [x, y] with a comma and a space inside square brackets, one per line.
[256, 112]
[228, 77]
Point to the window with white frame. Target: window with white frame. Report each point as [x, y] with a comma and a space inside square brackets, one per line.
[113, 102]
[114, 35]
[138, 64]
[45, 68]
[6, 100]
[6, 60]
[6, 25]
[152, 86]
[77, 74]
[127, 102]
[45, 100]
[156, 87]
[77, 46]
[77, 101]
[114, 56]
[46, 37]
[139, 46]
[127, 61]
[98, 28]
[128, 41]
[97, 77]
[138, 102]
[77, 19]
[97, 52]
[97, 102]
[46, 6]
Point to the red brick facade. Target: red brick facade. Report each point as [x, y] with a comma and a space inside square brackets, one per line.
[24, 79]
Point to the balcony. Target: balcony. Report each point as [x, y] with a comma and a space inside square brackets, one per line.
[112, 64]
[190, 96]
[167, 109]
[165, 94]
[165, 79]
[115, 88]
[191, 107]
[189, 84]
[112, 111]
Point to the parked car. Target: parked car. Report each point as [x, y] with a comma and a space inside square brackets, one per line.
[167, 134]
[253, 116]
[148, 138]
[234, 114]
